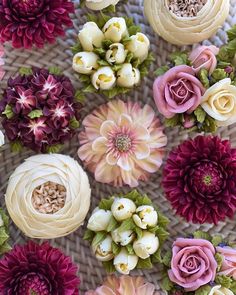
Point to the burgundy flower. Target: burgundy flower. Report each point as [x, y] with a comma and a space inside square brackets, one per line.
[38, 110]
[200, 179]
[33, 22]
[37, 269]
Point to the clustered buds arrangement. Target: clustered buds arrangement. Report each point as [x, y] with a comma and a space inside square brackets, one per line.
[127, 232]
[112, 55]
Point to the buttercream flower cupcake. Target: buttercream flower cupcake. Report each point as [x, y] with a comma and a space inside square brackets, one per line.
[54, 196]
[122, 143]
[100, 4]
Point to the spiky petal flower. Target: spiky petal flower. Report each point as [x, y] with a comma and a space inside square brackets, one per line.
[199, 179]
[37, 269]
[122, 143]
[33, 22]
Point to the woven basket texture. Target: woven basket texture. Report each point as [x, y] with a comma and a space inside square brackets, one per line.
[90, 270]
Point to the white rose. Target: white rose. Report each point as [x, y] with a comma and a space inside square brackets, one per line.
[219, 102]
[104, 78]
[115, 29]
[146, 216]
[116, 54]
[146, 246]
[139, 45]
[99, 220]
[122, 208]
[100, 4]
[124, 262]
[90, 36]
[2, 138]
[124, 238]
[85, 62]
[103, 251]
[218, 290]
[128, 76]
[27, 213]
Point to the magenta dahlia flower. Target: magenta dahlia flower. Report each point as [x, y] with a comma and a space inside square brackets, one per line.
[39, 110]
[37, 269]
[199, 179]
[33, 22]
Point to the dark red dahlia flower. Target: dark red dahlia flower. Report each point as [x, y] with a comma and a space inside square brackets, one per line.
[39, 270]
[200, 179]
[39, 110]
[33, 22]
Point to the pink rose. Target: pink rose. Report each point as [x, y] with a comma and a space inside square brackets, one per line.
[177, 91]
[204, 57]
[193, 263]
[229, 263]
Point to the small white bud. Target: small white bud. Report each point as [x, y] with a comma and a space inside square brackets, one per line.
[90, 36]
[116, 53]
[122, 208]
[146, 246]
[103, 251]
[128, 76]
[104, 78]
[139, 45]
[115, 29]
[124, 238]
[124, 262]
[145, 216]
[85, 62]
[99, 220]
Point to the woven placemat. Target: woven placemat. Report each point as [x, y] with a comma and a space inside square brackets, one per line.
[59, 54]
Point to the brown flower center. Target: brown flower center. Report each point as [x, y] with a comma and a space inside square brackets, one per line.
[186, 8]
[123, 142]
[49, 197]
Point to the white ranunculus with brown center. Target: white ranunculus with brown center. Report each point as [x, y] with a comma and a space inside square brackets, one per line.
[100, 4]
[48, 196]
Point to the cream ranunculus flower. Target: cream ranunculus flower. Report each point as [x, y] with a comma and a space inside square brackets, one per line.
[219, 102]
[218, 290]
[100, 4]
[85, 62]
[123, 208]
[48, 196]
[116, 54]
[139, 45]
[115, 29]
[146, 246]
[104, 78]
[184, 30]
[90, 36]
[103, 251]
[128, 76]
[145, 216]
[99, 220]
[124, 262]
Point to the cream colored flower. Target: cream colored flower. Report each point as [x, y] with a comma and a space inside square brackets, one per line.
[128, 76]
[103, 251]
[145, 216]
[115, 29]
[2, 138]
[32, 174]
[124, 262]
[99, 220]
[100, 4]
[116, 54]
[139, 45]
[124, 237]
[186, 30]
[219, 102]
[123, 208]
[85, 62]
[218, 290]
[104, 78]
[90, 36]
[146, 246]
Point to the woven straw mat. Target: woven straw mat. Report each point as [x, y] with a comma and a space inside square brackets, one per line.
[90, 270]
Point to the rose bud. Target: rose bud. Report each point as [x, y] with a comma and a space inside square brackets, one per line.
[122, 208]
[124, 262]
[85, 62]
[115, 29]
[146, 216]
[218, 290]
[103, 78]
[90, 36]
[128, 76]
[103, 251]
[139, 45]
[189, 121]
[146, 246]
[99, 220]
[116, 54]
[124, 238]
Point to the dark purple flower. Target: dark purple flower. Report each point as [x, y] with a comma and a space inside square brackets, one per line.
[37, 269]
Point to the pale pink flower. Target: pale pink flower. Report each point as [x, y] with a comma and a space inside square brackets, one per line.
[122, 143]
[124, 285]
[228, 267]
[1, 62]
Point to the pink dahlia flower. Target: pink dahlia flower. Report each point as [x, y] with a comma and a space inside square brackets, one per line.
[1, 62]
[124, 285]
[199, 179]
[122, 143]
[37, 269]
[33, 22]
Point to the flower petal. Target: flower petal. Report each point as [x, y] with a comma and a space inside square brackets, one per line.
[142, 151]
[111, 159]
[125, 120]
[99, 145]
[125, 163]
[106, 128]
[141, 132]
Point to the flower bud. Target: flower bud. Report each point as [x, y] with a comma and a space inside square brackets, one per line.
[100, 4]
[219, 290]
[139, 45]
[124, 262]
[99, 220]
[146, 216]
[116, 54]
[146, 246]
[90, 36]
[115, 29]
[124, 238]
[103, 251]
[104, 78]
[85, 62]
[2, 138]
[122, 208]
[128, 76]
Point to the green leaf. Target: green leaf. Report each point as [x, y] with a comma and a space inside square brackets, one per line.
[202, 235]
[161, 71]
[130, 249]
[55, 71]
[133, 30]
[179, 58]
[224, 281]
[82, 3]
[231, 47]
[210, 125]
[136, 62]
[200, 114]
[204, 290]
[129, 21]
[53, 149]
[116, 68]
[144, 263]
[166, 283]
[233, 286]
[216, 240]
[224, 54]
[92, 17]
[16, 146]
[162, 235]
[8, 112]
[126, 40]
[172, 122]
[100, 51]
[76, 48]
[219, 74]
[106, 204]
[25, 71]
[127, 224]
[106, 43]
[115, 91]
[103, 63]
[79, 96]
[89, 89]
[156, 257]
[138, 232]
[84, 78]
[110, 9]
[153, 229]
[232, 33]
[203, 77]
[74, 123]
[166, 260]
[163, 221]
[5, 248]
[89, 235]
[219, 259]
[115, 248]
[113, 224]
[109, 267]
[3, 235]
[35, 114]
[129, 57]
[5, 218]
[98, 238]
[102, 19]
[143, 200]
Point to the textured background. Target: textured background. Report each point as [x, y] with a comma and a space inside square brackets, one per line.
[91, 271]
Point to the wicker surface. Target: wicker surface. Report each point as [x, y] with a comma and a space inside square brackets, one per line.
[91, 271]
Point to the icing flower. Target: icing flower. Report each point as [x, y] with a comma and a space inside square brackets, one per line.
[122, 143]
[145, 216]
[146, 246]
[218, 290]
[125, 262]
[103, 78]
[99, 219]
[139, 45]
[103, 250]
[228, 267]
[128, 76]
[177, 91]
[54, 196]
[1, 62]
[90, 36]
[85, 62]
[193, 263]
[116, 53]
[115, 29]
[219, 102]
[100, 4]
[123, 208]
[123, 237]
[124, 285]
[2, 138]
[204, 57]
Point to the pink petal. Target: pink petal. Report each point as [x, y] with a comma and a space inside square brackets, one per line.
[141, 132]
[99, 145]
[106, 128]
[147, 289]
[125, 163]
[104, 290]
[105, 173]
[125, 120]
[126, 286]
[142, 151]
[111, 159]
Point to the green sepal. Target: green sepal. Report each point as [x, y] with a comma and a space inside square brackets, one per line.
[55, 71]
[5, 248]
[133, 30]
[210, 125]
[218, 75]
[76, 48]
[172, 122]
[219, 259]
[166, 283]
[25, 71]
[144, 67]
[201, 235]
[100, 51]
[84, 78]
[138, 232]
[204, 290]
[98, 238]
[3, 235]
[79, 96]
[144, 263]
[130, 249]
[90, 89]
[161, 71]
[74, 123]
[126, 40]
[35, 114]
[203, 77]
[53, 149]
[16, 146]
[216, 240]
[200, 114]
[224, 55]
[156, 257]
[179, 58]
[5, 218]
[163, 221]
[106, 204]
[129, 57]
[115, 248]
[166, 260]
[8, 112]
[106, 43]
[116, 68]
[127, 224]
[113, 224]
[224, 281]
[109, 266]
[89, 235]
[231, 33]
[162, 235]
[233, 286]
[103, 63]
[115, 91]
[110, 9]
